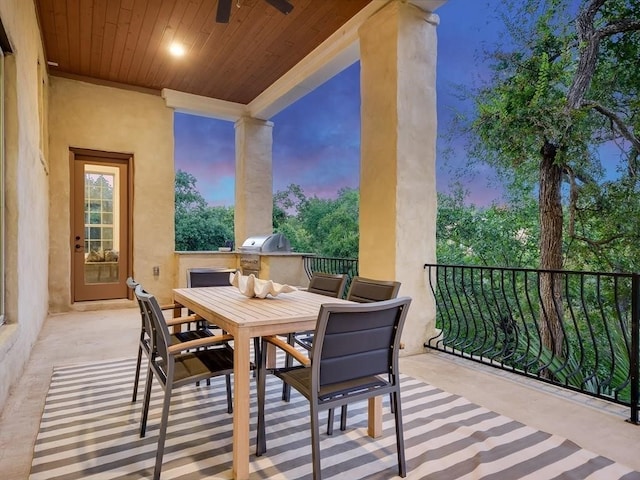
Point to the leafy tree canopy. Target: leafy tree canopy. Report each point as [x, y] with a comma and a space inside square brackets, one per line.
[563, 86]
[187, 196]
[199, 227]
[326, 227]
[497, 235]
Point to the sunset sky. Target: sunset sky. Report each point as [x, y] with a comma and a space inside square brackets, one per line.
[316, 141]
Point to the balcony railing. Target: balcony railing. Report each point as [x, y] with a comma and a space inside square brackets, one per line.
[578, 330]
[331, 265]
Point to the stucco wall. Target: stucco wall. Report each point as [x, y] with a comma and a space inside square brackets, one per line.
[84, 115]
[398, 47]
[26, 193]
[186, 260]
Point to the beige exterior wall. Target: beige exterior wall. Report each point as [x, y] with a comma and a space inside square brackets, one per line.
[26, 191]
[287, 268]
[84, 115]
[398, 48]
[186, 260]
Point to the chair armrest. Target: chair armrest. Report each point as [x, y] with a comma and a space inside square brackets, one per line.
[199, 343]
[290, 349]
[170, 306]
[180, 320]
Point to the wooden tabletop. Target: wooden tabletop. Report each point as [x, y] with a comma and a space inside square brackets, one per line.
[230, 309]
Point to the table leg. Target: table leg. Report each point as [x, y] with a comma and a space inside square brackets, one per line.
[241, 406]
[375, 417]
[177, 312]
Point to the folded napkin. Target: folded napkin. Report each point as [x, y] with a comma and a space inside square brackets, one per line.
[255, 287]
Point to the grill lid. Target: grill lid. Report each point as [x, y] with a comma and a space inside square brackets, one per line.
[276, 242]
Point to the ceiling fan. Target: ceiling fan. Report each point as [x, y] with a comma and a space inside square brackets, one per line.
[224, 8]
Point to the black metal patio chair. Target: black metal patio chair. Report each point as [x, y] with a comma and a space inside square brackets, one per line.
[177, 365]
[365, 290]
[329, 284]
[354, 357]
[144, 341]
[215, 277]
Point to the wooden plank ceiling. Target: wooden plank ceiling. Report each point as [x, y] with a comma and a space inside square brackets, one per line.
[127, 41]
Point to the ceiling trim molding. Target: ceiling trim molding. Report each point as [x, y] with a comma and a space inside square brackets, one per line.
[103, 83]
[203, 106]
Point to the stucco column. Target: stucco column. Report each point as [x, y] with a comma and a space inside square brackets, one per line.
[254, 179]
[398, 148]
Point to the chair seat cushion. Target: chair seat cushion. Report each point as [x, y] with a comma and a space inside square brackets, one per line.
[203, 364]
[191, 335]
[300, 378]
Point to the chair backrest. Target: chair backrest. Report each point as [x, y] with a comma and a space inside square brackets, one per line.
[132, 284]
[331, 285]
[208, 277]
[160, 338]
[353, 341]
[366, 290]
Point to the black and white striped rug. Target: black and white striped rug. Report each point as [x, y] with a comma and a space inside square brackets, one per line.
[89, 430]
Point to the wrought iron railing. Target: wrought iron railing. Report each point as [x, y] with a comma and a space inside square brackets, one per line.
[578, 330]
[349, 266]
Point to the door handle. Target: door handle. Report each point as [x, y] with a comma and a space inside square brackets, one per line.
[78, 247]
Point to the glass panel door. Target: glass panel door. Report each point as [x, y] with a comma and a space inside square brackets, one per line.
[100, 228]
[101, 218]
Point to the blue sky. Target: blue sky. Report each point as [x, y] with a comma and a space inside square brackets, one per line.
[316, 141]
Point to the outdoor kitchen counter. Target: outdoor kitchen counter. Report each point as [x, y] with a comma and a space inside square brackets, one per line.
[281, 267]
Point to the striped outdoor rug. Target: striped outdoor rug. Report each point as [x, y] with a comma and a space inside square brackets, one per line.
[89, 430]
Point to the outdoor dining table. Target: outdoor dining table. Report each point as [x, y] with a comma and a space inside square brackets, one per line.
[245, 318]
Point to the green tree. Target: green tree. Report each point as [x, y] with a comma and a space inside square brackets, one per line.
[287, 204]
[204, 229]
[199, 227]
[286, 210]
[187, 196]
[505, 235]
[327, 227]
[340, 226]
[559, 94]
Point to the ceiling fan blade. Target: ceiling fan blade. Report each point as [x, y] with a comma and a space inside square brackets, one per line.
[282, 5]
[224, 11]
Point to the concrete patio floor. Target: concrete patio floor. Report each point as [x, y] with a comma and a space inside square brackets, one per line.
[107, 334]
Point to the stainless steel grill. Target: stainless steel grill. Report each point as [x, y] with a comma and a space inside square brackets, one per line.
[276, 242]
[254, 246]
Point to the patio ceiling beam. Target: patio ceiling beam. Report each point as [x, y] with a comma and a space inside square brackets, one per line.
[336, 53]
[203, 106]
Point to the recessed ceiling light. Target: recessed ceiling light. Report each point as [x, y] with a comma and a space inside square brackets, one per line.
[176, 49]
